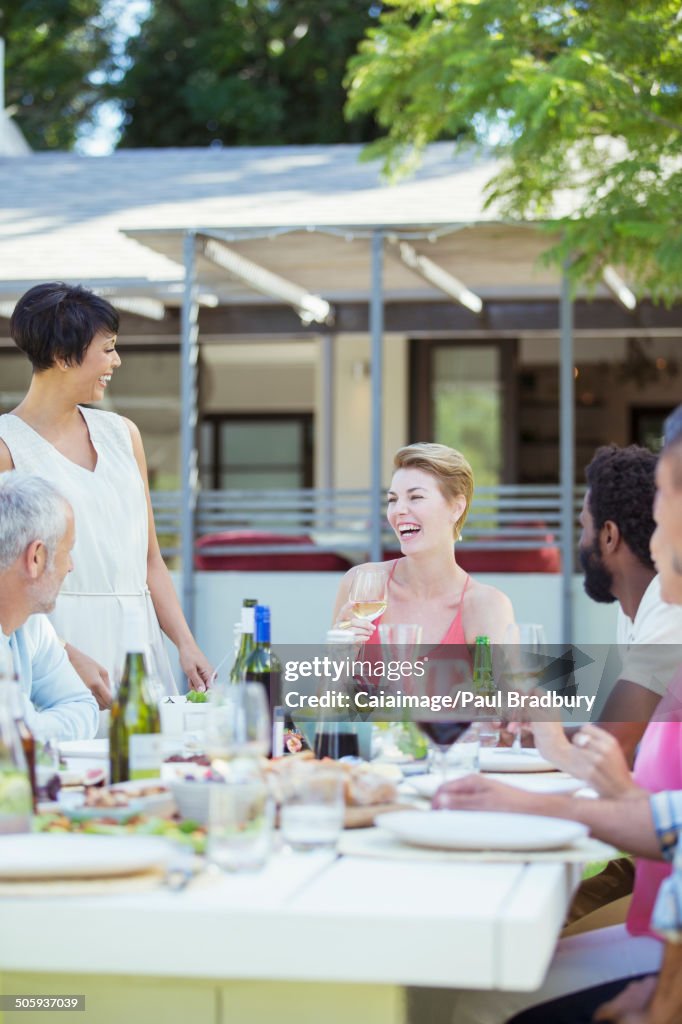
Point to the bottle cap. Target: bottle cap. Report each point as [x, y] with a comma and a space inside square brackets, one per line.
[261, 613]
[262, 623]
[248, 621]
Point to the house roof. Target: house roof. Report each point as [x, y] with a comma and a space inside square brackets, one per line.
[119, 219]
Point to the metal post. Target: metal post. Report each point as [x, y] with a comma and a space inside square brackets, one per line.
[189, 352]
[327, 432]
[376, 326]
[566, 454]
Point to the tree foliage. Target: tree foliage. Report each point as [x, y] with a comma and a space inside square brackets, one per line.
[52, 49]
[242, 72]
[582, 101]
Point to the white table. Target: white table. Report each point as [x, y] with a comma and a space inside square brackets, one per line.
[235, 951]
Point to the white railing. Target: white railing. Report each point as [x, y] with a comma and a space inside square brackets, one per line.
[507, 517]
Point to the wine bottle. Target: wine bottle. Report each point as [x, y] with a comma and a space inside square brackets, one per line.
[262, 666]
[483, 678]
[246, 645]
[135, 725]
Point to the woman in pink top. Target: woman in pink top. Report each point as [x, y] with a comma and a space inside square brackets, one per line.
[658, 765]
[428, 502]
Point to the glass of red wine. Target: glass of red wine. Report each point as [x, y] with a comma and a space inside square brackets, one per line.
[455, 752]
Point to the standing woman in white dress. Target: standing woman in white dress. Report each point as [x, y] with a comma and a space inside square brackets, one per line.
[96, 460]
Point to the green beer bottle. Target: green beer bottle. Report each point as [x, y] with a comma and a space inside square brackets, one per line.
[484, 682]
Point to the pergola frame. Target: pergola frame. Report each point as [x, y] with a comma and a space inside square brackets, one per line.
[376, 235]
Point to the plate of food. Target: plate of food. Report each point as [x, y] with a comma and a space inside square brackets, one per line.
[368, 789]
[119, 802]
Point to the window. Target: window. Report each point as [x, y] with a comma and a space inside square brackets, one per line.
[461, 393]
[646, 425]
[256, 452]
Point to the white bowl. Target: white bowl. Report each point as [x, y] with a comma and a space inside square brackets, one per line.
[192, 799]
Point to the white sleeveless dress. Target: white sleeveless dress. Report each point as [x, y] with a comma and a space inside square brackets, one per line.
[110, 553]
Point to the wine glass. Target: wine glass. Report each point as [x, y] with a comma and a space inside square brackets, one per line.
[368, 593]
[525, 648]
[443, 734]
[400, 639]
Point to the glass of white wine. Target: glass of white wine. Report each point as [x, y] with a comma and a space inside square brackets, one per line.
[368, 593]
[525, 650]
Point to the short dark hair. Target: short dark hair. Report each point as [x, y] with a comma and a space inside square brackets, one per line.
[622, 483]
[58, 321]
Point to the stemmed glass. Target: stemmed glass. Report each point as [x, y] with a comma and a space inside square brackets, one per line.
[400, 639]
[525, 650]
[442, 734]
[368, 593]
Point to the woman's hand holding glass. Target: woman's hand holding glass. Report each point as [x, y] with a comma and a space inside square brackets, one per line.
[366, 602]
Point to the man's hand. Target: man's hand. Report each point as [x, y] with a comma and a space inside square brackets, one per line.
[478, 793]
[196, 667]
[94, 675]
[602, 763]
[631, 1005]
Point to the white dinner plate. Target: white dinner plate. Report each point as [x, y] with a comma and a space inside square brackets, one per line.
[504, 759]
[480, 830]
[51, 855]
[551, 782]
[98, 749]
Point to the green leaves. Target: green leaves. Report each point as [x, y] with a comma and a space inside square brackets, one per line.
[53, 47]
[582, 101]
[258, 73]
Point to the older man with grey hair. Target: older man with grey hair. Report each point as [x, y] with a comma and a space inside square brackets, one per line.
[36, 538]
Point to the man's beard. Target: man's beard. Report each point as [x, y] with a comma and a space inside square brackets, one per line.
[44, 596]
[598, 580]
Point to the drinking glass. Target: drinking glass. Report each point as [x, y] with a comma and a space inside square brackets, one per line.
[368, 593]
[400, 639]
[525, 654]
[241, 819]
[311, 816]
[455, 745]
[238, 722]
[194, 719]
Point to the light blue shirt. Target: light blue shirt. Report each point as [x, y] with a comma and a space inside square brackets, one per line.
[57, 704]
[666, 810]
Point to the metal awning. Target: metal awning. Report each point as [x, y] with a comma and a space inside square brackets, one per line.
[344, 261]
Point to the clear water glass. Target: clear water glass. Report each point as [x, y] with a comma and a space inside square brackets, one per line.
[311, 816]
[241, 820]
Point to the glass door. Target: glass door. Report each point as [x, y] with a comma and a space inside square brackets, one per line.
[463, 394]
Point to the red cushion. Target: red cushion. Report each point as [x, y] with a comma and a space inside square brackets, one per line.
[492, 559]
[306, 561]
